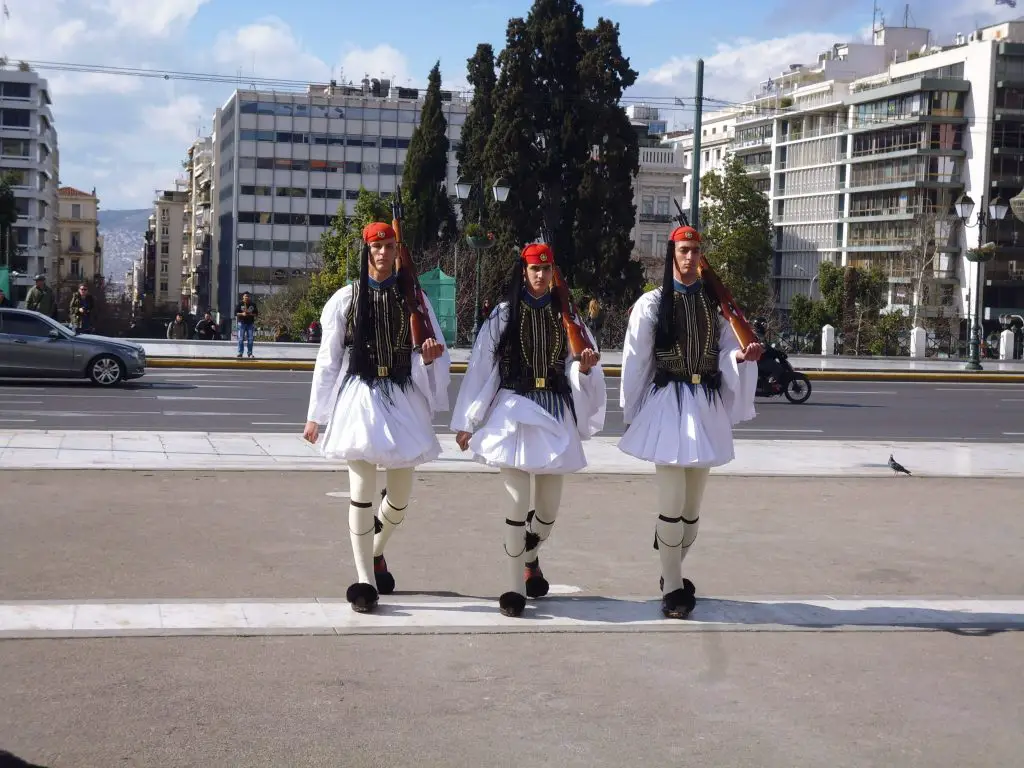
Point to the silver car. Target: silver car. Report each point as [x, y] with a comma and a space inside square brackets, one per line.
[33, 346]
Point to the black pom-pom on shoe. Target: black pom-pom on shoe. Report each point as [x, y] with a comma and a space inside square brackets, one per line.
[381, 574]
[363, 597]
[512, 604]
[678, 604]
[536, 584]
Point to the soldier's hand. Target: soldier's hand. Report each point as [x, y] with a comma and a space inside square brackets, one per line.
[462, 440]
[751, 354]
[312, 432]
[588, 360]
[431, 350]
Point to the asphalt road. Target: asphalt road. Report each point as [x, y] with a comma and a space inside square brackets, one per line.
[275, 401]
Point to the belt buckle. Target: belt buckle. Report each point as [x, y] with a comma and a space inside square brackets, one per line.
[382, 371]
[540, 383]
[695, 379]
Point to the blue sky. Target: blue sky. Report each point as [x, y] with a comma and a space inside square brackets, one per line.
[127, 135]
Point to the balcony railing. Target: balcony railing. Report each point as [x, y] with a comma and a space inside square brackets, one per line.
[870, 180]
[655, 218]
[814, 133]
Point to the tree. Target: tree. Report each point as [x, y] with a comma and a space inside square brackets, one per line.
[737, 233]
[479, 124]
[8, 217]
[933, 227]
[428, 209]
[339, 252]
[604, 265]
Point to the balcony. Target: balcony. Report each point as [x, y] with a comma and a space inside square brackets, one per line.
[814, 133]
[656, 218]
[887, 180]
[649, 157]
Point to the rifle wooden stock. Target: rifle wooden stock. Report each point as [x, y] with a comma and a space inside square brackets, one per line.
[731, 311]
[420, 326]
[574, 329]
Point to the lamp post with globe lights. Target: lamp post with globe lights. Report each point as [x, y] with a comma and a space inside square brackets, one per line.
[464, 189]
[996, 212]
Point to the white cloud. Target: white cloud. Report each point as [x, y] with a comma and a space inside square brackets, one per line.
[643, 3]
[269, 48]
[176, 120]
[381, 61]
[154, 18]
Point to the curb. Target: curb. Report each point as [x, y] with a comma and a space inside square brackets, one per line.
[613, 371]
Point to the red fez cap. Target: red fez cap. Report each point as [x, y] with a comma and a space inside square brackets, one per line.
[377, 231]
[538, 253]
[685, 234]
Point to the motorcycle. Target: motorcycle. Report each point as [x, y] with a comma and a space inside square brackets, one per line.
[775, 376]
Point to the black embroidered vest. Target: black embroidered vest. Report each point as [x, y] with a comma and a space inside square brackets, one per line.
[389, 342]
[693, 357]
[541, 351]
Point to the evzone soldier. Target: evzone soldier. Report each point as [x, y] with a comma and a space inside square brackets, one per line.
[685, 384]
[377, 395]
[533, 391]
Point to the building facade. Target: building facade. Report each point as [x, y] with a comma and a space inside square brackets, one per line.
[29, 161]
[198, 276]
[162, 254]
[80, 247]
[286, 163]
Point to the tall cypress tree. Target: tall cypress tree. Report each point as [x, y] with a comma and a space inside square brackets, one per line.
[478, 126]
[555, 28]
[512, 150]
[606, 214]
[428, 209]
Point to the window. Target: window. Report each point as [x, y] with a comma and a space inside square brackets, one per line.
[663, 204]
[647, 204]
[647, 245]
[261, 191]
[14, 147]
[163, 286]
[165, 231]
[16, 324]
[15, 118]
[18, 178]
[16, 90]
[163, 268]
[76, 241]
[76, 268]
[76, 210]
[165, 249]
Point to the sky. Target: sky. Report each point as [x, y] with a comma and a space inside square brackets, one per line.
[127, 136]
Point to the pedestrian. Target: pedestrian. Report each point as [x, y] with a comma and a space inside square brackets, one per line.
[525, 407]
[41, 299]
[376, 395]
[206, 329]
[596, 317]
[684, 386]
[246, 313]
[81, 310]
[177, 328]
[4, 301]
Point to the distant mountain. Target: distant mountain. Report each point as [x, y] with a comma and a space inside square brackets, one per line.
[122, 232]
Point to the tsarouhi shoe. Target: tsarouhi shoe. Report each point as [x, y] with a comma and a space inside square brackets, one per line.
[381, 574]
[679, 603]
[512, 604]
[536, 584]
[363, 597]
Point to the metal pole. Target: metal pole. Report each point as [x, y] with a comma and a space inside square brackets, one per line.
[974, 363]
[697, 118]
[479, 258]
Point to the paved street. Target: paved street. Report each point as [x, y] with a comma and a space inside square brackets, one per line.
[275, 401]
[864, 691]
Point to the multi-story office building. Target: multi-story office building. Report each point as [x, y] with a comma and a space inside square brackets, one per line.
[80, 257]
[28, 159]
[287, 162]
[198, 286]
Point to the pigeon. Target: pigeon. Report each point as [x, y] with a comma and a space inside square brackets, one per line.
[896, 467]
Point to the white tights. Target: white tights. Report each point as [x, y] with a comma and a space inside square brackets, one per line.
[362, 487]
[547, 497]
[680, 491]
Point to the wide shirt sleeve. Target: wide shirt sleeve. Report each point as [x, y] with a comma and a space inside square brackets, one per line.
[482, 379]
[638, 356]
[432, 380]
[330, 357]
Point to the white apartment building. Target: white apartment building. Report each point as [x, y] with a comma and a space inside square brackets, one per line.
[198, 278]
[162, 254]
[659, 183]
[28, 156]
[286, 162]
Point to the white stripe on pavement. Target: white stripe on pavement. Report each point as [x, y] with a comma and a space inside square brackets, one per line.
[554, 614]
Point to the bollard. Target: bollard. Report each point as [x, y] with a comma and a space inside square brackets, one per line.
[1006, 339]
[828, 340]
[918, 342]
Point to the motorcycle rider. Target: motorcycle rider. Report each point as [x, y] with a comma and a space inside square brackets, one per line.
[771, 364]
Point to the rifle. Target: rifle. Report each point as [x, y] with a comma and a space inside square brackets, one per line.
[408, 283]
[574, 330]
[731, 311]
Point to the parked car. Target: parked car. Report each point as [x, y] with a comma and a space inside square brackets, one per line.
[33, 346]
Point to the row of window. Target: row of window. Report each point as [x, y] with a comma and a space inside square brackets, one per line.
[293, 219]
[328, 166]
[336, 112]
[15, 90]
[323, 139]
[280, 246]
[15, 147]
[15, 118]
[298, 192]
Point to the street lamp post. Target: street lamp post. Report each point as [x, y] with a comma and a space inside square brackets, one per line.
[810, 290]
[464, 189]
[997, 211]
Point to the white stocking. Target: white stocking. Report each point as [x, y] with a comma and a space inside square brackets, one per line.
[362, 487]
[696, 480]
[680, 491]
[547, 498]
[517, 484]
[392, 507]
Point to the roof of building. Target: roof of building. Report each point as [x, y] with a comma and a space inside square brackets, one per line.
[72, 192]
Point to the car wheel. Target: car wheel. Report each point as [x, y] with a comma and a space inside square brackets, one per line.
[106, 371]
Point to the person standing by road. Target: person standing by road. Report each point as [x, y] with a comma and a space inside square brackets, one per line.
[177, 328]
[82, 309]
[41, 299]
[525, 407]
[377, 396]
[684, 386]
[206, 329]
[246, 313]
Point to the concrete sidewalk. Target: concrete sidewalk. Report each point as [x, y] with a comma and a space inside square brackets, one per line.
[62, 449]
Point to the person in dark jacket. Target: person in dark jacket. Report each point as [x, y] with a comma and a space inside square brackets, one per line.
[206, 329]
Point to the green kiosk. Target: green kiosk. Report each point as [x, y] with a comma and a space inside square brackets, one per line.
[440, 289]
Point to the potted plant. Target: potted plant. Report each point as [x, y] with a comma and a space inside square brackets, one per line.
[477, 237]
[983, 253]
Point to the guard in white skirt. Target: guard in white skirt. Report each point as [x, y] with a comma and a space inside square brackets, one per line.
[377, 396]
[685, 384]
[525, 407]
